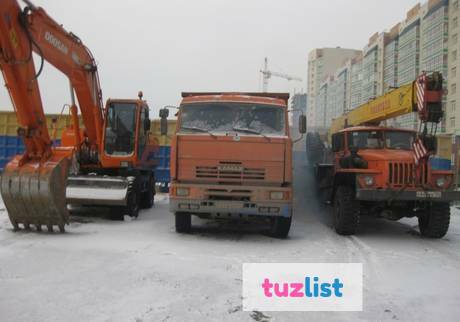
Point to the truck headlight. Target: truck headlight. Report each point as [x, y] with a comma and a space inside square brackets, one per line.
[441, 182]
[182, 192]
[369, 181]
[276, 195]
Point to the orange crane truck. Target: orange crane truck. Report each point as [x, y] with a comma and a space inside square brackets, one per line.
[104, 163]
[231, 158]
[383, 171]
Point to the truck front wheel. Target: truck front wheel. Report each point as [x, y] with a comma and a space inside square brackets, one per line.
[434, 222]
[280, 227]
[346, 213]
[183, 222]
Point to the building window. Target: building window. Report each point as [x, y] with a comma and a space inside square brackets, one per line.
[454, 55]
[452, 122]
[455, 22]
[454, 38]
[453, 88]
[453, 72]
[452, 106]
[455, 4]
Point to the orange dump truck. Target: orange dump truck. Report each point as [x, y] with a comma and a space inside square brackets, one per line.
[231, 158]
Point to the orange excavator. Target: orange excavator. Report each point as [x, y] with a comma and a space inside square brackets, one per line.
[106, 162]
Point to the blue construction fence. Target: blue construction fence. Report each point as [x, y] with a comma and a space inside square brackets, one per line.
[13, 145]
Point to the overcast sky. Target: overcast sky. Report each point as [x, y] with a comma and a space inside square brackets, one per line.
[163, 47]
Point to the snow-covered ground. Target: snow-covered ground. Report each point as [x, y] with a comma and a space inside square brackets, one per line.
[141, 270]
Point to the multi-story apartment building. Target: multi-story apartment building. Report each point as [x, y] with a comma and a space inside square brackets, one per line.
[409, 58]
[373, 54]
[453, 74]
[356, 80]
[321, 63]
[342, 80]
[434, 41]
[427, 40]
[332, 100]
[321, 107]
[390, 60]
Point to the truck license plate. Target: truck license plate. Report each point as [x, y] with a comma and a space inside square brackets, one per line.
[228, 205]
[429, 194]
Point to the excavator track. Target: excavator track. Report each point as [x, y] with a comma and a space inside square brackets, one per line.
[34, 193]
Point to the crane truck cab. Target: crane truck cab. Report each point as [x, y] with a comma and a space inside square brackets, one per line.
[374, 172]
[231, 159]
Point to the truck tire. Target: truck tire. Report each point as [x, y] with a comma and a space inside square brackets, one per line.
[346, 213]
[148, 196]
[280, 227]
[183, 222]
[132, 208]
[117, 213]
[434, 223]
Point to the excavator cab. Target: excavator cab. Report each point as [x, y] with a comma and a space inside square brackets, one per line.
[120, 129]
[126, 129]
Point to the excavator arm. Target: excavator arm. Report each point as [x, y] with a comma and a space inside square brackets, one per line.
[33, 185]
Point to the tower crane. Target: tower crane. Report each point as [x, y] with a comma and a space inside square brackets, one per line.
[267, 74]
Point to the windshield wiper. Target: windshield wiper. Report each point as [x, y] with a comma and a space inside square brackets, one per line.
[248, 130]
[193, 128]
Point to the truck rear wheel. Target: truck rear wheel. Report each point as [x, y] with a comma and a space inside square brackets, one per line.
[346, 214]
[434, 223]
[280, 227]
[183, 222]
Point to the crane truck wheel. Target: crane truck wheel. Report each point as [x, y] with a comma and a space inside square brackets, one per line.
[280, 227]
[434, 222]
[183, 222]
[346, 213]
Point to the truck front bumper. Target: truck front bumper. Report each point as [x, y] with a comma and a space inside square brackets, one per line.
[232, 209]
[407, 195]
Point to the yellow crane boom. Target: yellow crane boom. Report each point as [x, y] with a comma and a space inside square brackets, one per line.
[422, 95]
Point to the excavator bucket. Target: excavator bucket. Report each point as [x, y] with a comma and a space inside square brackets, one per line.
[34, 193]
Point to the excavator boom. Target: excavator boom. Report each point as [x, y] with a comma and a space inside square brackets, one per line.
[33, 185]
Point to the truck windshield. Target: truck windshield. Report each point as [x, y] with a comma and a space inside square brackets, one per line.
[399, 140]
[366, 139]
[252, 119]
[120, 128]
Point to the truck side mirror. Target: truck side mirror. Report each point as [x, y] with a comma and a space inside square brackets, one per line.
[302, 124]
[337, 142]
[147, 125]
[164, 113]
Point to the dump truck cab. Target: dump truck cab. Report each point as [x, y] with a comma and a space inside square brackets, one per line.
[231, 158]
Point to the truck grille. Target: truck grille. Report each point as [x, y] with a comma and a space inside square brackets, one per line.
[230, 171]
[406, 173]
